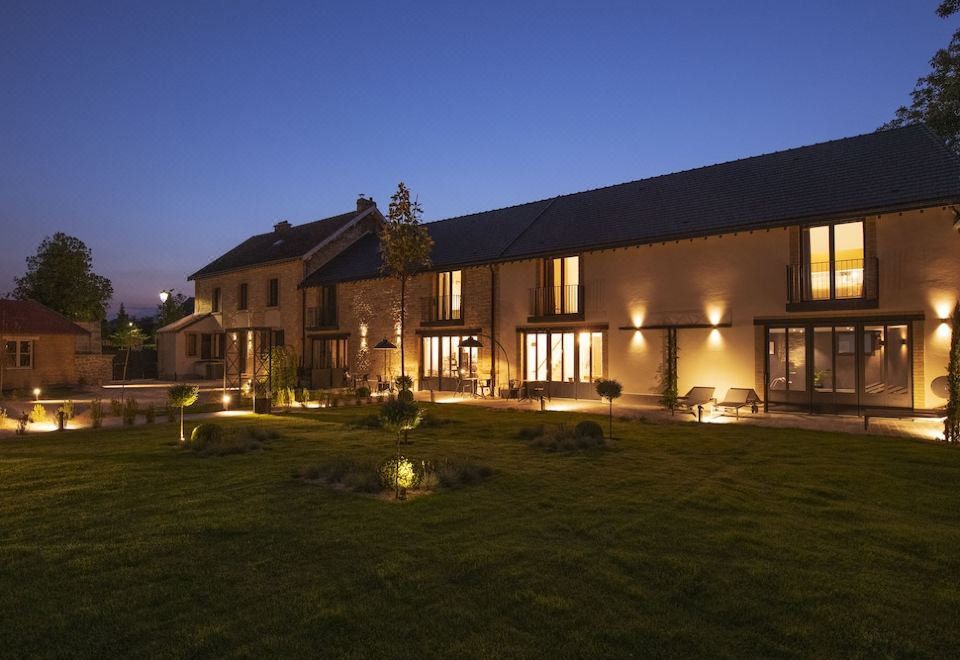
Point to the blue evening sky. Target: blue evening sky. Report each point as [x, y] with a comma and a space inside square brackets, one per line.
[163, 133]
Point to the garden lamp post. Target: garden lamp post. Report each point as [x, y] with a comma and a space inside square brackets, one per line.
[471, 342]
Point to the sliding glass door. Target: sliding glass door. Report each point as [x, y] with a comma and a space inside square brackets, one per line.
[840, 367]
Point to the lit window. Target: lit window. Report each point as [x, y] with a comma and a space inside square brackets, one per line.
[834, 258]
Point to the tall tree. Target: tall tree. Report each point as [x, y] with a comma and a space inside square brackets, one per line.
[404, 249]
[126, 338]
[936, 97]
[60, 275]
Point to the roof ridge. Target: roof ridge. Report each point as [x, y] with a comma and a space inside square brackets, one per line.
[523, 231]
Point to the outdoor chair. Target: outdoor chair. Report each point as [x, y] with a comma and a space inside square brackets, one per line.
[694, 400]
[740, 397]
[485, 388]
[382, 385]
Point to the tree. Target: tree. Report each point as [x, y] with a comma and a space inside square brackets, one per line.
[60, 276]
[399, 416]
[609, 390]
[951, 425]
[405, 246]
[126, 337]
[181, 396]
[936, 96]
[172, 309]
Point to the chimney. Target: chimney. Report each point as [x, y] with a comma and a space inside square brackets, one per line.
[363, 203]
[283, 225]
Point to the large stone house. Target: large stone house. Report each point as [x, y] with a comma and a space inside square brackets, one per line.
[247, 301]
[818, 276]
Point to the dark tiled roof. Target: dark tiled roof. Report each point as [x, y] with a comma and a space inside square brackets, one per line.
[888, 170]
[477, 238]
[27, 316]
[289, 243]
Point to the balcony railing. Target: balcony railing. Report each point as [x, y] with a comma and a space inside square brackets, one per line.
[441, 308]
[321, 317]
[847, 279]
[556, 300]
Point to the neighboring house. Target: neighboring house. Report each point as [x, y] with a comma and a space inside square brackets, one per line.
[247, 301]
[39, 346]
[818, 276]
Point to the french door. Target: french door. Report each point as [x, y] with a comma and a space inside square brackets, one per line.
[835, 367]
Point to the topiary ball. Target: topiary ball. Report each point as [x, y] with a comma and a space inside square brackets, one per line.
[405, 395]
[588, 429]
[205, 434]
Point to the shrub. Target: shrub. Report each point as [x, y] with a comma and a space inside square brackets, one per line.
[205, 434]
[116, 407]
[452, 474]
[38, 414]
[358, 477]
[67, 409]
[211, 440]
[405, 395]
[363, 393]
[404, 382]
[130, 410]
[562, 439]
[588, 429]
[96, 413]
[399, 472]
[398, 416]
[3, 416]
[284, 396]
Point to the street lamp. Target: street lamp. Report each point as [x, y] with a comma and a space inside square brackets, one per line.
[36, 393]
[165, 295]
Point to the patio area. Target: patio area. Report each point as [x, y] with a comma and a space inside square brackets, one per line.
[922, 428]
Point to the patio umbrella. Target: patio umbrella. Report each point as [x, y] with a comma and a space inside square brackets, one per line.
[384, 345]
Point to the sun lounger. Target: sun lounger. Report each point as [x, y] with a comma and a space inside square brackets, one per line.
[694, 400]
[739, 397]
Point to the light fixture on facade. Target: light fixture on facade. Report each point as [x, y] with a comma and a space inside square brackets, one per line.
[164, 296]
[36, 393]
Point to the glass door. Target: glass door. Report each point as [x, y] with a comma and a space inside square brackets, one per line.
[886, 366]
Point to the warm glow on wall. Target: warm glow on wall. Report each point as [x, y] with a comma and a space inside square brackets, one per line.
[943, 307]
[943, 331]
[715, 314]
[636, 317]
[714, 338]
[638, 341]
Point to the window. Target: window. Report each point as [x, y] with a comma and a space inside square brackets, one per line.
[560, 288]
[211, 346]
[215, 300]
[278, 338]
[273, 292]
[242, 297]
[833, 256]
[443, 356]
[448, 295]
[18, 354]
[191, 344]
[563, 356]
[330, 353]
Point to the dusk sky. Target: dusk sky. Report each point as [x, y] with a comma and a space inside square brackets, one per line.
[164, 133]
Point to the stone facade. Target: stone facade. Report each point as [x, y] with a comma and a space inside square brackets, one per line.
[53, 363]
[94, 368]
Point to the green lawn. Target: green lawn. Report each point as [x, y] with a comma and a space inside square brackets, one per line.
[682, 540]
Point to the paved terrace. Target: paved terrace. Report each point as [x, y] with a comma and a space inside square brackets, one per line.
[924, 428]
